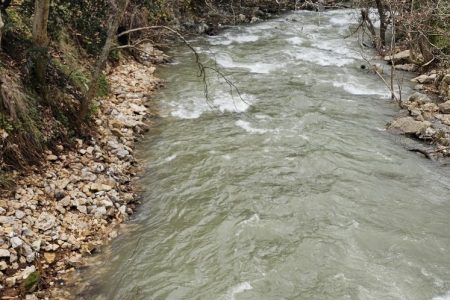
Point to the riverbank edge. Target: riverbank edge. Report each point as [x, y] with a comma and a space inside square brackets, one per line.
[71, 205]
[424, 115]
[76, 201]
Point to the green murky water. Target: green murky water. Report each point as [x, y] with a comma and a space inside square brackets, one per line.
[298, 193]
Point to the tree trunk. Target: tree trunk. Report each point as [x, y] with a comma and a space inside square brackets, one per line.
[1, 29]
[383, 24]
[40, 39]
[118, 8]
[425, 49]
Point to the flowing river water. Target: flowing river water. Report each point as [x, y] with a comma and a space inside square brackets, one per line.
[297, 192]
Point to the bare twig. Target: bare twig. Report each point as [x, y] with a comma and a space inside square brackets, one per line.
[202, 68]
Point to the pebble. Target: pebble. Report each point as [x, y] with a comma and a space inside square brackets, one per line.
[16, 242]
[52, 157]
[28, 270]
[49, 257]
[20, 214]
[4, 253]
[3, 266]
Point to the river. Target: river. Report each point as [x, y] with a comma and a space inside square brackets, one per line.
[295, 191]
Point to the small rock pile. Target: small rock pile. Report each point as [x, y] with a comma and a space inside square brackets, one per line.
[71, 207]
[428, 119]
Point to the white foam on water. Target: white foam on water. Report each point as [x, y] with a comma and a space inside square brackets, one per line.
[355, 224]
[315, 28]
[336, 46]
[262, 117]
[183, 112]
[222, 102]
[305, 137]
[170, 158]
[348, 15]
[226, 103]
[260, 27]
[220, 41]
[344, 19]
[360, 89]
[252, 220]
[321, 57]
[240, 288]
[384, 156]
[247, 127]
[228, 39]
[244, 38]
[227, 61]
[295, 40]
[261, 68]
[445, 297]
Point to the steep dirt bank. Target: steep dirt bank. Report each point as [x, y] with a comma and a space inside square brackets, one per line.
[70, 206]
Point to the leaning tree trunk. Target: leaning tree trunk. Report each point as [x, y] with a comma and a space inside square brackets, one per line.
[1, 29]
[425, 49]
[118, 8]
[383, 24]
[40, 40]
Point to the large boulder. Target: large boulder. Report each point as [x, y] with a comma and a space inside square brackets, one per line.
[425, 79]
[407, 125]
[445, 119]
[403, 57]
[407, 67]
[430, 107]
[419, 98]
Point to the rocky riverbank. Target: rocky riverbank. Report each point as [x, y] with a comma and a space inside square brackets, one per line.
[68, 207]
[426, 112]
